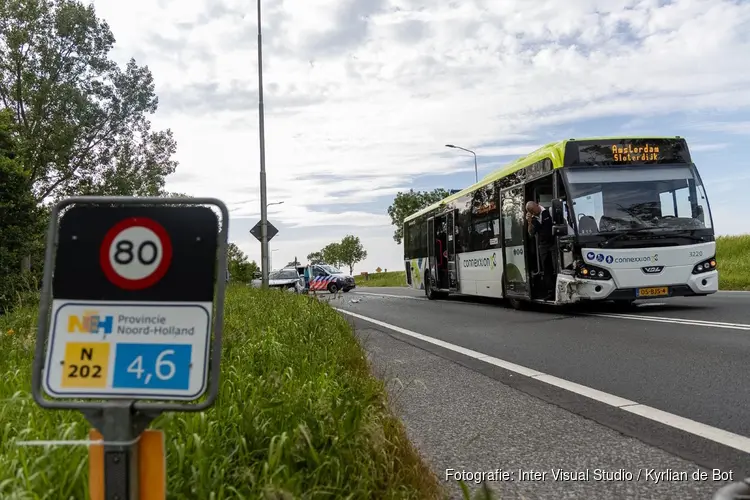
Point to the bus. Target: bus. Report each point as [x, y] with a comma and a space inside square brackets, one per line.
[631, 221]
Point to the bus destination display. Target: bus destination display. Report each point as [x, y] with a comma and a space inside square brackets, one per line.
[626, 151]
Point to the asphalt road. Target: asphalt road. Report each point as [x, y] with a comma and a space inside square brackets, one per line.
[688, 357]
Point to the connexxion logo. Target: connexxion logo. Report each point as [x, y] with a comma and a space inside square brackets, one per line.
[490, 262]
[609, 259]
[90, 322]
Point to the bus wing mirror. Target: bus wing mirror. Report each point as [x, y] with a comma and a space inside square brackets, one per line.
[558, 215]
[560, 230]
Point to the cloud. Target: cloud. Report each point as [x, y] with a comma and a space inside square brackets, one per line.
[738, 127]
[362, 95]
[707, 147]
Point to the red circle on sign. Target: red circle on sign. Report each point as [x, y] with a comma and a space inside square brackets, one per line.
[158, 273]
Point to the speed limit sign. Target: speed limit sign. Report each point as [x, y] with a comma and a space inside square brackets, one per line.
[135, 253]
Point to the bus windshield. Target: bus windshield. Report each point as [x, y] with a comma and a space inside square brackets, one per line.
[611, 199]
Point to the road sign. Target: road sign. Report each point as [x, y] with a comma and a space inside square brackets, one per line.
[126, 315]
[270, 228]
[133, 351]
[132, 302]
[135, 253]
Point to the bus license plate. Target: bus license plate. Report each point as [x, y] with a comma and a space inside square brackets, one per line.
[652, 292]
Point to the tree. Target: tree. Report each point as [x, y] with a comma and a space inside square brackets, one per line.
[351, 251]
[315, 257]
[293, 263]
[405, 204]
[241, 270]
[19, 217]
[332, 254]
[81, 118]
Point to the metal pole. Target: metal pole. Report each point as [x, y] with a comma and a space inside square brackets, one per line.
[476, 174]
[121, 481]
[263, 206]
[476, 171]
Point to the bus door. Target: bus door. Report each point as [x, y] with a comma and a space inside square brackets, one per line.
[515, 271]
[450, 251]
[431, 258]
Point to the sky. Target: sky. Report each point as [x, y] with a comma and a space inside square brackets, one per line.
[361, 97]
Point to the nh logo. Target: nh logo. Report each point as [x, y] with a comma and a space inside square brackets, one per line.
[90, 322]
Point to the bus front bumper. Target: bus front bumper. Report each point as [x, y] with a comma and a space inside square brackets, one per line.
[571, 289]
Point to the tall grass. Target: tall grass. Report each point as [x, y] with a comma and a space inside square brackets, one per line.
[733, 262]
[298, 415]
[391, 278]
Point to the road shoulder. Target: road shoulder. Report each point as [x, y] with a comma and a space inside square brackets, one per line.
[462, 420]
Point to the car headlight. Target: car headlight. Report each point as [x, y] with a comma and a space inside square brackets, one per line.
[705, 266]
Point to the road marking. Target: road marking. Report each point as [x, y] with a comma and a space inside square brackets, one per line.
[714, 434]
[675, 321]
[391, 295]
[634, 317]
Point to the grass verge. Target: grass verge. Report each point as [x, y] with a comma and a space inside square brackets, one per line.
[391, 278]
[299, 415]
[732, 254]
[733, 259]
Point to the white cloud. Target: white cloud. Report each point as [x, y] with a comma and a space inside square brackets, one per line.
[707, 147]
[739, 127]
[362, 95]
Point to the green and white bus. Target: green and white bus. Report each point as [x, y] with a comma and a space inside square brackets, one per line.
[631, 221]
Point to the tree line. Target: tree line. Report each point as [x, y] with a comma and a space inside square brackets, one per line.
[407, 203]
[72, 122]
[347, 252]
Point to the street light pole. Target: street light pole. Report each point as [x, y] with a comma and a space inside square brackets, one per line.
[262, 132]
[476, 174]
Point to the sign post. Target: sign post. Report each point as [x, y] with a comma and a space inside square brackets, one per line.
[133, 290]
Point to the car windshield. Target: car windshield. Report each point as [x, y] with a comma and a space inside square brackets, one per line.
[285, 274]
[331, 269]
[607, 199]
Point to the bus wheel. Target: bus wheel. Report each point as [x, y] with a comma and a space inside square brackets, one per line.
[428, 291]
[518, 305]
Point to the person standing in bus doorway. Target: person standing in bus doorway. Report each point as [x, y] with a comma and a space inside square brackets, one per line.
[540, 224]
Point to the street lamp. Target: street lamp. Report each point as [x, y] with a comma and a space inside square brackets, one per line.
[274, 203]
[476, 175]
[262, 136]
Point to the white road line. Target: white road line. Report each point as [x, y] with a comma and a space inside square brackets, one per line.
[634, 317]
[391, 295]
[674, 321]
[714, 434]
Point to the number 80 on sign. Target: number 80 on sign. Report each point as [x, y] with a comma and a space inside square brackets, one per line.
[152, 366]
[135, 253]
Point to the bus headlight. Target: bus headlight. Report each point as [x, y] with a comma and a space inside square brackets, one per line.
[587, 271]
[705, 266]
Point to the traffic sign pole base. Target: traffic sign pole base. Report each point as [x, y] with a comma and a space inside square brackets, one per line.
[143, 466]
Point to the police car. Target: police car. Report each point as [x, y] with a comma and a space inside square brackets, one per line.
[327, 277]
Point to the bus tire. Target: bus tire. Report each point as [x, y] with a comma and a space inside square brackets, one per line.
[428, 291]
[517, 304]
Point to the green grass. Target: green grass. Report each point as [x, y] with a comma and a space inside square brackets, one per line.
[299, 415]
[732, 254]
[733, 262]
[391, 278]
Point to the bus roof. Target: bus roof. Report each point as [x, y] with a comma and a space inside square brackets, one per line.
[554, 151]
